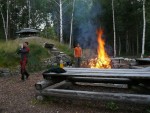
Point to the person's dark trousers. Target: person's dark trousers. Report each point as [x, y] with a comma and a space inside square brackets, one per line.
[24, 73]
[77, 61]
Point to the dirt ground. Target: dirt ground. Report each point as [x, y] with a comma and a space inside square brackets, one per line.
[19, 97]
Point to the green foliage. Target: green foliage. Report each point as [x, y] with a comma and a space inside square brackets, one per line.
[36, 55]
[112, 106]
[65, 49]
[49, 33]
[8, 59]
[147, 110]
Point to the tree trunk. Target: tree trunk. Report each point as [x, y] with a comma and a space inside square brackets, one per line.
[114, 28]
[29, 22]
[119, 46]
[61, 26]
[127, 43]
[4, 23]
[71, 25]
[137, 43]
[144, 29]
[7, 21]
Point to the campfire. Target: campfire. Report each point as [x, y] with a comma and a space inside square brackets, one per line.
[102, 60]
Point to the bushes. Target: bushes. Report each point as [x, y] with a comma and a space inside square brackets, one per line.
[37, 53]
[9, 57]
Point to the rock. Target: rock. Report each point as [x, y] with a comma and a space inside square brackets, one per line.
[48, 46]
[40, 98]
[6, 74]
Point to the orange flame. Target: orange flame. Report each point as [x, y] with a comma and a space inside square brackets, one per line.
[102, 60]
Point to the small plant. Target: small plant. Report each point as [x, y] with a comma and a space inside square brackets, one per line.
[148, 110]
[112, 106]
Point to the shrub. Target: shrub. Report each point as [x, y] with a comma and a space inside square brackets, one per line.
[37, 53]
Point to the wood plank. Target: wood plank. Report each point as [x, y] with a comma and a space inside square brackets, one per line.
[116, 70]
[100, 80]
[107, 71]
[57, 85]
[74, 94]
[112, 75]
[43, 84]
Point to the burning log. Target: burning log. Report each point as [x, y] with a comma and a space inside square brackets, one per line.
[102, 60]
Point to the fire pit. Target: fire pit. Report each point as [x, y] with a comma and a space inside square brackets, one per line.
[101, 59]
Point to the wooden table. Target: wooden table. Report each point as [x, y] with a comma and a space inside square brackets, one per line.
[52, 86]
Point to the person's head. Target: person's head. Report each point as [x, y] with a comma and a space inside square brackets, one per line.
[78, 45]
[25, 44]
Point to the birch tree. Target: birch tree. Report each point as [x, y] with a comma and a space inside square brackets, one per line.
[5, 22]
[144, 29]
[61, 19]
[114, 29]
[29, 6]
[71, 25]
[4, 25]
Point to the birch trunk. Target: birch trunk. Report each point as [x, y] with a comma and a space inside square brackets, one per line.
[29, 14]
[119, 46]
[7, 20]
[144, 29]
[61, 26]
[127, 43]
[71, 25]
[114, 28]
[4, 23]
[137, 43]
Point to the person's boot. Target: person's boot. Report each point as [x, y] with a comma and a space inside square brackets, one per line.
[27, 74]
[22, 77]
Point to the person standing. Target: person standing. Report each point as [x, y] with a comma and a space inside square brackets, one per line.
[77, 55]
[24, 51]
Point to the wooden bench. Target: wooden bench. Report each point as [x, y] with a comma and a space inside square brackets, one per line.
[88, 75]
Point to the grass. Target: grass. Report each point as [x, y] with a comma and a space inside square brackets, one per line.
[10, 59]
[112, 106]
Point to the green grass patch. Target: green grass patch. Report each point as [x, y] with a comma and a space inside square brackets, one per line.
[112, 106]
[10, 59]
[37, 53]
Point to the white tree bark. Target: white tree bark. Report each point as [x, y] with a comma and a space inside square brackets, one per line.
[144, 29]
[61, 25]
[127, 42]
[114, 28]
[119, 46]
[29, 22]
[4, 23]
[137, 43]
[7, 21]
[71, 25]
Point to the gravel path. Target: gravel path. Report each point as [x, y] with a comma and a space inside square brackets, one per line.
[19, 97]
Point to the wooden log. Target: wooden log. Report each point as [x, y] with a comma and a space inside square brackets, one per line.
[106, 70]
[106, 75]
[110, 71]
[100, 80]
[110, 85]
[74, 94]
[136, 67]
[57, 85]
[43, 84]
